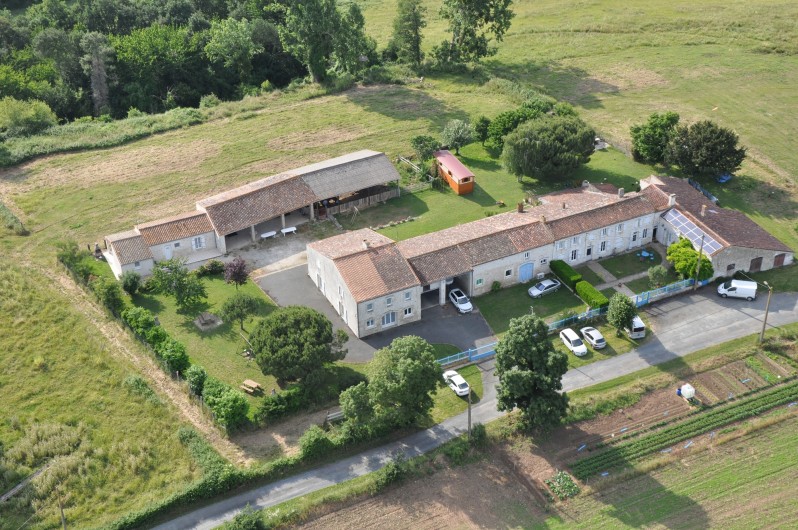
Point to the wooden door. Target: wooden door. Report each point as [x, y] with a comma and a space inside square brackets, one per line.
[756, 265]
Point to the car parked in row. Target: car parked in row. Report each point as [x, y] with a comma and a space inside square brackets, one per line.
[544, 287]
[573, 342]
[593, 337]
[460, 301]
[456, 382]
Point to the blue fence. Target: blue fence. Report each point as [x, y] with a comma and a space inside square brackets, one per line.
[650, 296]
[470, 355]
[577, 318]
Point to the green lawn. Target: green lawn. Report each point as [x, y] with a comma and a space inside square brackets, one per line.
[589, 276]
[782, 280]
[58, 373]
[499, 307]
[448, 404]
[630, 263]
[445, 350]
[608, 292]
[642, 285]
[615, 345]
[219, 350]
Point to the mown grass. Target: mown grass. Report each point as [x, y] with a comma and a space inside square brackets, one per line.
[630, 263]
[58, 371]
[448, 404]
[589, 276]
[220, 350]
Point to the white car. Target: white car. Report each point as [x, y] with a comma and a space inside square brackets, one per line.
[456, 382]
[573, 342]
[460, 301]
[593, 337]
[544, 287]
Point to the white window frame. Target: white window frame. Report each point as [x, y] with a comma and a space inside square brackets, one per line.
[370, 307]
[645, 233]
[370, 323]
[389, 301]
[560, 244]
[526, 255]
[619, 228]
[634, 236]
[198, 242]
[340, 290]
[392, 315]
[603, 246]
[575, 254]
[408, 296]
[408, 312]
[605, 232]
[479, 282]
[575, 240]
[508, 273]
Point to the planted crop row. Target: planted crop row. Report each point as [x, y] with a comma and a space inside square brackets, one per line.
[628, 452]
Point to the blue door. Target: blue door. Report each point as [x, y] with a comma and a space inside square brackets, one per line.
[525, 272]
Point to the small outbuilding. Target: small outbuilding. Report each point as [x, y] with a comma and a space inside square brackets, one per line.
[459, 177]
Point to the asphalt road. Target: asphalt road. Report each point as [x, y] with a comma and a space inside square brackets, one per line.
[681, 325]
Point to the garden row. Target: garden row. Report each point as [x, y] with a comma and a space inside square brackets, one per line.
[702, 422]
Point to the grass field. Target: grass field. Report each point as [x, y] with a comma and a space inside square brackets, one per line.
[59, 374]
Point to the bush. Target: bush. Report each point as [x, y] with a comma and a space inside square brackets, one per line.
[11, 221]
[565, 272]
[195, 376]
[278, 405]
[479, 435]
[248, 519]
[495, 287]
[109, 293]
[74, 259]
[392, 472]
[131, 281]
[230, 407]
[590, 295]
[174, 354]
[210, 268]
[314, 443]
[657, 275]
[139, 319]
[457, 451]
[209, 101]
[24, 118]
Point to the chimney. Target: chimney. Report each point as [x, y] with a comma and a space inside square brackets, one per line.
[563, 206]
[621, 191]
[543, 219]
[671, 200]
[521, 207]
[365, 244]
[703, 210]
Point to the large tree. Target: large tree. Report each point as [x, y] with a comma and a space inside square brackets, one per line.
[172, 277]
[239, 307]
[621, 312]
[551, 147]
[236, 272]
[309, 33]
[705, 148]
[684, 258]
[650, 139]
[530, 373]
[407, 26]
[231, 44]
[402, 378]
[294, 341]
[457, 134]
[96, 62]
[473, 23]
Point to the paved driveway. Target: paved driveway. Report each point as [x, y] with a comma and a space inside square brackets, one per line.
[440, 325]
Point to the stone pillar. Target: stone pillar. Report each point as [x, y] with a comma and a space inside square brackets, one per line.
[312, 213]
[442, 292]
[252, 232]
[282, 219]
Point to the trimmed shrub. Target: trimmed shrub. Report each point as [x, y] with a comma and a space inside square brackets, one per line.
[109, 293]
[565, 272]
[174, 354]
[195, 376]
[590, 295]
[139, 319]
[131, 281]
[314, 443]
[211, 268]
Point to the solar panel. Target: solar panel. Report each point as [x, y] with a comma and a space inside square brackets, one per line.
[686, 228]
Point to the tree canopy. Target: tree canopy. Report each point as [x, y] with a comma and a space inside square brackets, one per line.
[473, 24]
[548, 147]
[650, 139]
[172, 277]
[239, 307]
[236, 272]
[705, 148]
[530, 373]
[407, 26]
[457, 134]
[294, 341]
[621, 312]
[684, 257]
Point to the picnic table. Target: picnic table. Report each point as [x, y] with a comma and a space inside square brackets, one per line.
[288, 230]
[267, 235]
[251, 387]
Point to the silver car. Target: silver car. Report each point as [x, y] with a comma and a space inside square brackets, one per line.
[544, 287]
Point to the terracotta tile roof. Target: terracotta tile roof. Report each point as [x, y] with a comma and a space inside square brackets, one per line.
[444, 263]
[608, 215]
[129, 247]
[349, 243]
[256, 202]
[731, 226]
[173, 228]
[376, 272]
[458, 170]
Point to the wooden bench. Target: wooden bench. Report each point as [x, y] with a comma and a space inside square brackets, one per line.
[267, 235]
[288, 230]
[334, 417]
[251, 387]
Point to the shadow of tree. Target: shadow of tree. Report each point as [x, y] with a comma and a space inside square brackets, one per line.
[403, 103]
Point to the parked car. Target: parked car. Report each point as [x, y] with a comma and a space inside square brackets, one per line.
[544, 287]
[573, 342]
[638, 330]
[460, 301]
[456, 382]
[593, 337]
[738, 289]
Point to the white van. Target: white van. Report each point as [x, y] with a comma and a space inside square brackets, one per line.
[738, 289]
[638, 330]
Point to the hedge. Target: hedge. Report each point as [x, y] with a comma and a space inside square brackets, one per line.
[565, 272]
[590, 295]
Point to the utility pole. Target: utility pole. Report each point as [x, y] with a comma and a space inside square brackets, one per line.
[767, 310]
[698, 263]
[469, 413]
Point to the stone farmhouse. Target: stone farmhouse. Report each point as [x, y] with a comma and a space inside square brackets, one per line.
[258, 210]
[375, 283]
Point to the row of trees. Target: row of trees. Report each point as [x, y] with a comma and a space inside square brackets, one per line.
[97, 57]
